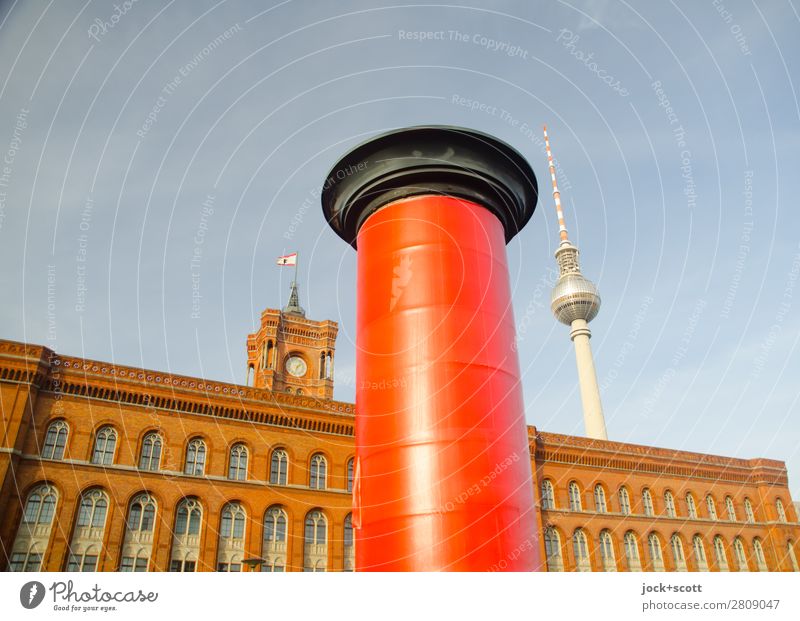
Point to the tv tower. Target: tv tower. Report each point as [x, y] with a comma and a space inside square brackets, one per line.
[575, 302]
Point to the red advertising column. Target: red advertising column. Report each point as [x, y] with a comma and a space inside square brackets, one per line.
[443, 470]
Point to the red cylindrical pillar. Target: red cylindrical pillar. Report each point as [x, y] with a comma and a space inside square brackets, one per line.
[443, 466]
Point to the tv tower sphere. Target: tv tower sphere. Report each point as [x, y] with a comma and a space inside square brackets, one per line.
[574, 297]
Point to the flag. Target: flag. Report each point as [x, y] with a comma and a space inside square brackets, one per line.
[289, 259]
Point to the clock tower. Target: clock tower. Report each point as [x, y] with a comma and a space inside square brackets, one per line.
[290, 353]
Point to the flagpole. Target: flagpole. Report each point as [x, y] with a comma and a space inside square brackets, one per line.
[296, 259]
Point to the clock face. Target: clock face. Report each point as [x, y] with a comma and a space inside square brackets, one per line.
[296, 366]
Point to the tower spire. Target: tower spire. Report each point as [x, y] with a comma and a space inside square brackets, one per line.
[293, 307]
[575, 302]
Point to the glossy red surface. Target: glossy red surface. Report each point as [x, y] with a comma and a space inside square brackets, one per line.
[444, 476]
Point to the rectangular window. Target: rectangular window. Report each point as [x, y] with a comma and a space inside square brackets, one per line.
[141, 564]
[127, 563]
[188, 565]
[89, 563]
[175, 566]
[34, 562]
[73, 563]
[17, 562]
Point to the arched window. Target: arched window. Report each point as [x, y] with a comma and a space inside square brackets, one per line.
[279, 467]
[581, 550]
[575, 497]
[719, 554]
[150, 457]
[318, 472]
[138, 542]
[740, 555]
[632, 552]
[552, 549]
[748, 511]
[274, 542]
[669, 504]
[792, 556]
[780, 510]
[104, 444]
[600, 499]
[186, 536]
[691, 507]
[237, 464]
[548, 496]
[349, 548]
[758, 551]
[350, 470]
[33, 533]
[231, 538]
[624, 501]
[87, 539]
[699, 550]
[656, 555]
[711, 507]
[729, 508]
[55, 440]
[315, 539]
[678, 557]
[647, 502]
[607, 556]
[195, 457]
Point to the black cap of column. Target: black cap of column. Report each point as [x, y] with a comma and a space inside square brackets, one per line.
[450, 161]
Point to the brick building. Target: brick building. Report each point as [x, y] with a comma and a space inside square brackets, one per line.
[113, 468]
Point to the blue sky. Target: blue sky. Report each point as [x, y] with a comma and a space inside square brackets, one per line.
[133, 133]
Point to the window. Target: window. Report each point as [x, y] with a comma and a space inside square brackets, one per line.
[552, 550]
[669, 504]
[273, 548]
[719, 554]
[104, 444]
[55, 440]
[581, 550]
[92, 510]
[656, 556]
[599, 499]
[607, 552]
[195, 458]
[231, 537]
[349, 548]
[678, 556]
[647, 502]
[350, 469]
[729, 508]
[739, 554]
[232, 525]
[748, 511]
[188, 517]
[548, 496]
[711, 507]
[237, 464]
[186, 566]
[22, 561]
[315, 539]
[83, 562]
[780, 510]
[691, 507]
[279, 467]
[792, 556]
[699, 550]
[132, 563]
[40, 505]
[142, 514]
[632, 552]
[574, 497]
[318, 471]
[761, 560]
[33, 532]
[624, 501]
[150, 458]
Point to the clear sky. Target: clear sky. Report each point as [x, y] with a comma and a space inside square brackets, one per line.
[157, 152]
